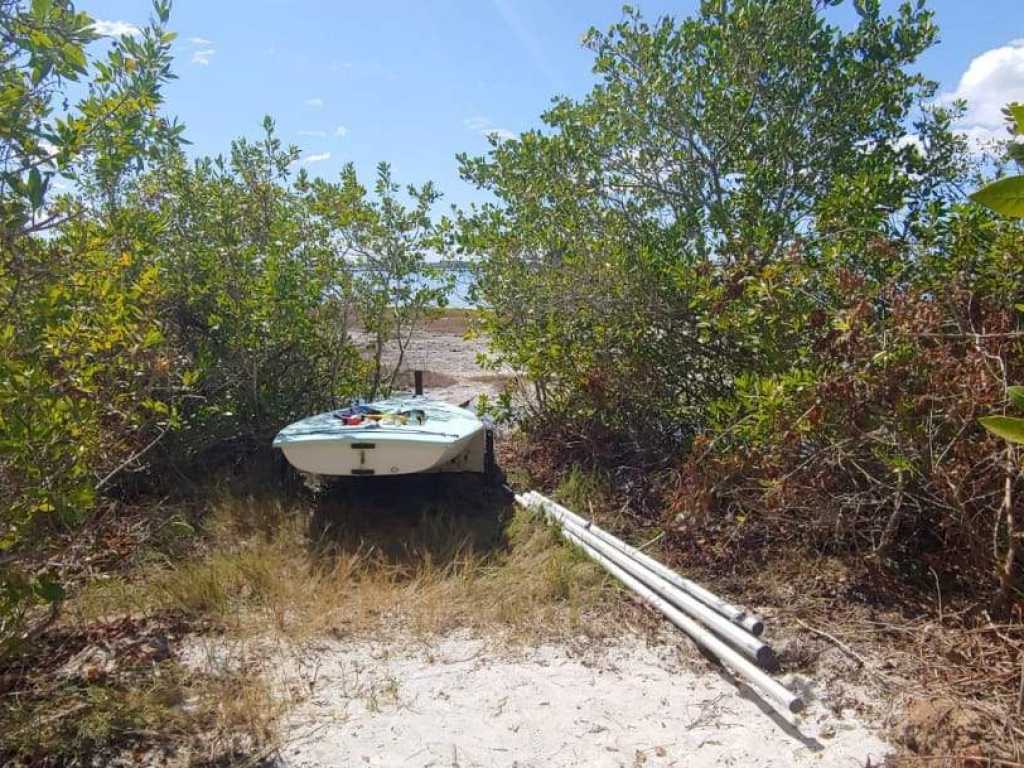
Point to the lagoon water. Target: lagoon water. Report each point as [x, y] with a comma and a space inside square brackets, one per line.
[459, 295]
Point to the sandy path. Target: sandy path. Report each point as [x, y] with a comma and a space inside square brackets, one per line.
[456, 702]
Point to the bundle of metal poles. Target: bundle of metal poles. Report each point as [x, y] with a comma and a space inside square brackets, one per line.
[727, 631]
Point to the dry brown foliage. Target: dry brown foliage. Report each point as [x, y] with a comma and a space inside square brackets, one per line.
[882, 465]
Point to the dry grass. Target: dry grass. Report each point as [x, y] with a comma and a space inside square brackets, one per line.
[117, 689]
[350, 566]
[264, 577]
[452, 320]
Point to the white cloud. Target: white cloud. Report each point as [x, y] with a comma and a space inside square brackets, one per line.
[477, 123]
[202, 57]
[910, 140]
[341, 131]
[483, 126]
[316, 134]
[982, 140]
[310, 159]
[992, 80]
[106, 28]
[200, 41]
[316, 102]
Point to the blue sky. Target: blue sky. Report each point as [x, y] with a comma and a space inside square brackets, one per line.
[416, 82]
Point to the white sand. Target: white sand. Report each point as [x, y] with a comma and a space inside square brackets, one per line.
[458, 702]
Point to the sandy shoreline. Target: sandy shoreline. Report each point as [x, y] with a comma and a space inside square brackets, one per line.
[449, 359]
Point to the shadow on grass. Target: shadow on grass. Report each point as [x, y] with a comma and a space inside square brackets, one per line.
[408, 520]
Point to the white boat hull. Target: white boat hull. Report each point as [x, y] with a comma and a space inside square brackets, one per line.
[368, 456]
[450, 439]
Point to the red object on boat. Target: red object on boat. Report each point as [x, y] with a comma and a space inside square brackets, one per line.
[351, 421]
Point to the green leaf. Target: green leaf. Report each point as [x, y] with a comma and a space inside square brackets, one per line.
[1005, 196]
[1017, 113]
[1016, 396]
[41, 70]
[48, 589]
[76, 57]
[36, 189]
[181, 527]
[1007, 427]
[152, 338]
[41, 8]
[163, 10]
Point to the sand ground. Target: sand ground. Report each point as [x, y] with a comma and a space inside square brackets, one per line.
[449, 360]
[460, 701]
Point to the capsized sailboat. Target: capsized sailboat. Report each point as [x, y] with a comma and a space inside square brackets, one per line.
[398, 436]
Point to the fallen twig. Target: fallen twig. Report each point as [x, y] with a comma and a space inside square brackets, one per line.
[129, 460]
[835, 641]
[655, 540]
